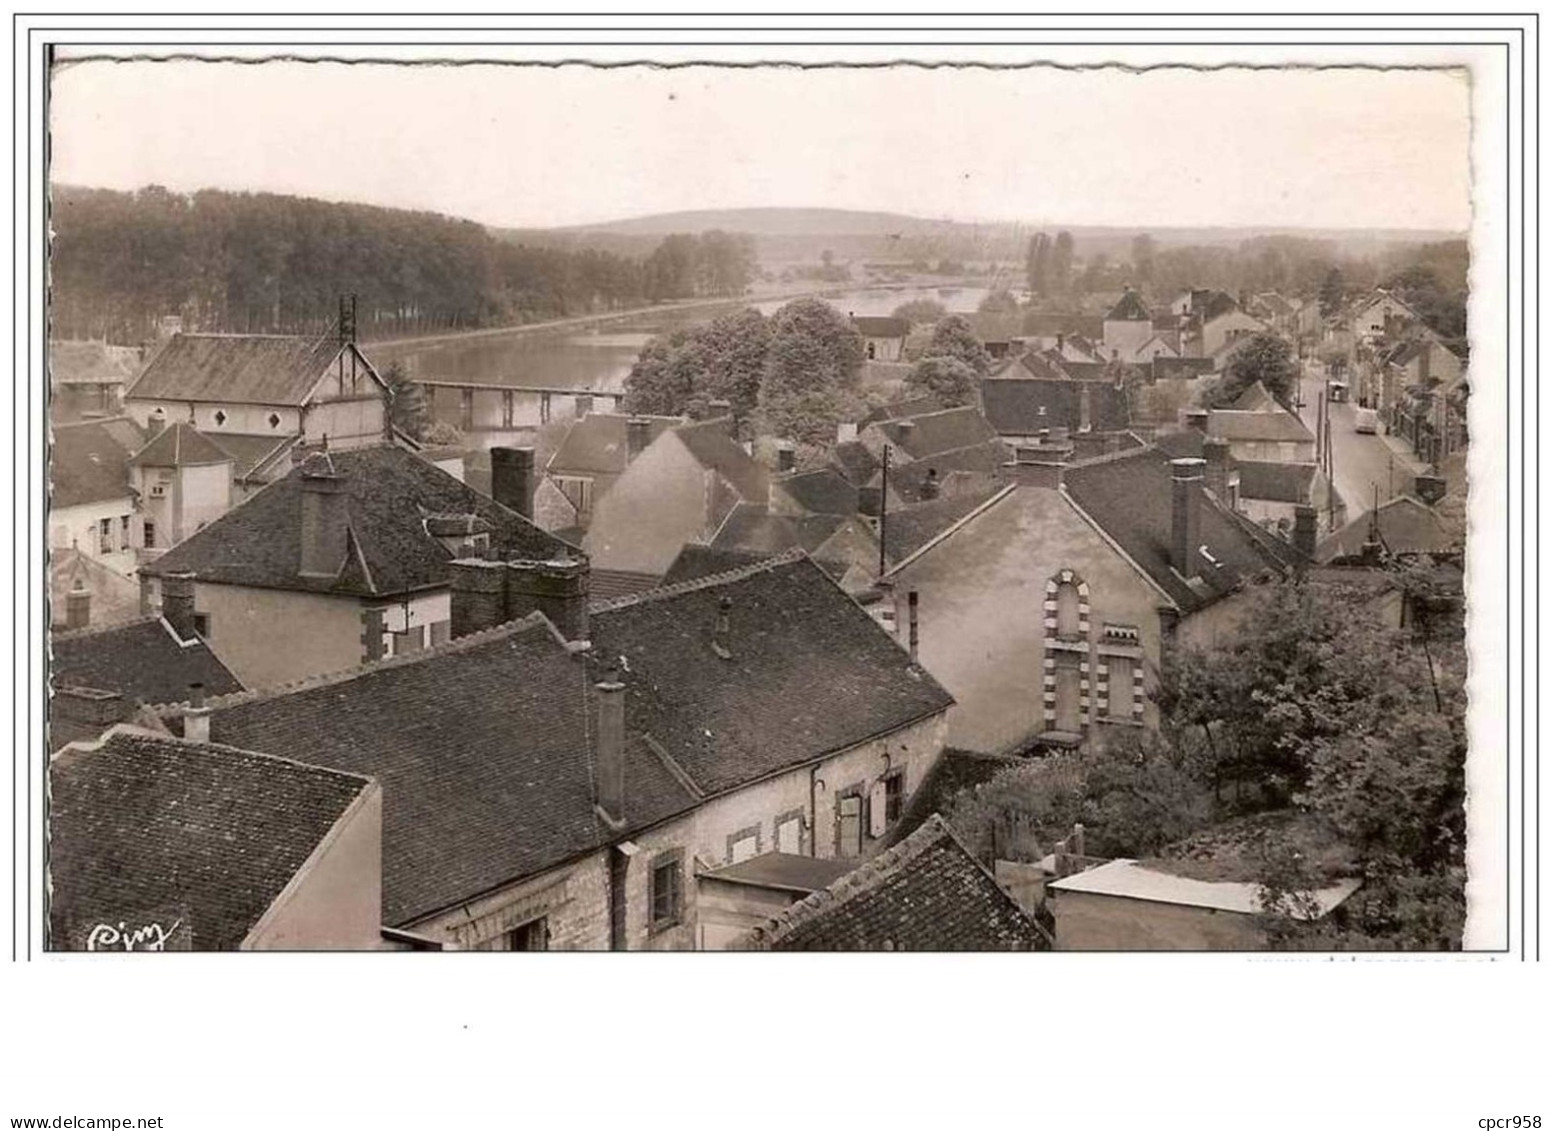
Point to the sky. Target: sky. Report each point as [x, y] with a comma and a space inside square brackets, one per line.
[535, 146]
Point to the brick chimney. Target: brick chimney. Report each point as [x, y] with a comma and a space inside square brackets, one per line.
[1186, 516]
[178, 603]
[610, 749]
[1304, 527]
[196, 720]
[323, 519]
[1195, 418]
[478, 596]
[1216, 452]
[512, 479]
[557, 588]
[638, 434]
[78, 608]
[931, 487]
[1085, 410]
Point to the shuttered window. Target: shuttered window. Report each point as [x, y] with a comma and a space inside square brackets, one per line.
[848, 825]
[667, 892]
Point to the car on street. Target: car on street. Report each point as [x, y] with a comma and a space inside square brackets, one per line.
[1366, 420]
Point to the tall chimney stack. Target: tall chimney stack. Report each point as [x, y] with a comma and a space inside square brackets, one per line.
[512, 479]
[638, 433]
[557, 588]
[178, 603]
[1216, 452]
[78, 608]
[323, 519]
[1186, 516]
[196, 720]
[478, 596]
[610, 752]
[1304, 527]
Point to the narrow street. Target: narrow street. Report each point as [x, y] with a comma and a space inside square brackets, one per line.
[1362, 464]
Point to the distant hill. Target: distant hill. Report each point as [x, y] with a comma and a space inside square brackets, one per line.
[788, 234]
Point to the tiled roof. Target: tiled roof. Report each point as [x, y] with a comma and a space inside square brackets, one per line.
[753, 528]
[144, 825]
[695, 562]
[909, 529]
[91, 363]
[912, 406]
[1130, 308]
[1023, 408]
[1279, 425]
[606, 584]
[927, 893]
[597, 445]
[482, 748]
[855, 462]
[180, 445]
[810, 672]
[785, 871]
[89, 462]
[1255, 398]
[825, 491]
[985, 460]
[942, 431]
[870, 327]
[1406, 525]
[708, 441]
[1131, 499]
[1276, 482]
[1043, 365]
[389, 492]
[142, 660]
[236, 369]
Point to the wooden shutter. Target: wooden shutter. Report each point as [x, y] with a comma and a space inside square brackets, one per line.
[878, 810]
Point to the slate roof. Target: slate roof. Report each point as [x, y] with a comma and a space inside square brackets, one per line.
[597, 445]
[1023, 408]
[927, 893]
[708, 441]
[810, 673]
[870, 327]
[1255, 398]
[389, 492]
[984, 461]
[854, 461]
[89, 462]
[1280, 425]
[752, 527]
[942, 431]
[1130, 308]
[143, 824]
[91, 363]
[825, 491]
[141, 659]
[1131, 499]
[1045, 365]
[1276, 482]
[1406, 525]
[236, 369]
[483, 752]
[695, 562]
[180, 445]
[909, 529]
[912, 406]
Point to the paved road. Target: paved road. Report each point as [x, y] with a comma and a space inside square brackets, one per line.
[1361, 462]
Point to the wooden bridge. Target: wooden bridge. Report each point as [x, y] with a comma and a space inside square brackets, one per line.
[486, 406]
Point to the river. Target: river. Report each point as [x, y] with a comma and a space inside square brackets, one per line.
[601, 357]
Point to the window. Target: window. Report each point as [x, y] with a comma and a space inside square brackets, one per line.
[1068, 716]
[667, 891]
[124, 540]
[743, 844]
[274, 420]
[530, 936]
[506, 408]
[1121, 690]
[848, 824]
[148, 529]
[220, 417]
[1067, 609]
[894, 796]
[411, 640]
[789, 834]
[105, 536]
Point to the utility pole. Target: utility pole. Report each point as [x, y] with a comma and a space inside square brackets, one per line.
[883, 514]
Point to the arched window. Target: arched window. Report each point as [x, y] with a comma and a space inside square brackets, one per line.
[1067, 609]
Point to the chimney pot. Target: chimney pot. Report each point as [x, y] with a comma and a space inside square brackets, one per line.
[611, 745]
[512, 479]
[1186, 515]
[323, 520]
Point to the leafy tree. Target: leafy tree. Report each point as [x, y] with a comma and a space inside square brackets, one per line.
[1333, 292]
[920, 310]
[812, 368]
[406, 402]
[1038, 263]
[1143, 250]
[667, 374]
[1061, 264]
[954, 337]
[948, 379]
[1000, 301]
[1443, 311]
[1267, 358]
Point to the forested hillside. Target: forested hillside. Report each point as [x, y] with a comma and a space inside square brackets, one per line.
[262, 263]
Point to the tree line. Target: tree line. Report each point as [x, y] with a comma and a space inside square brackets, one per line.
[267, 263]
